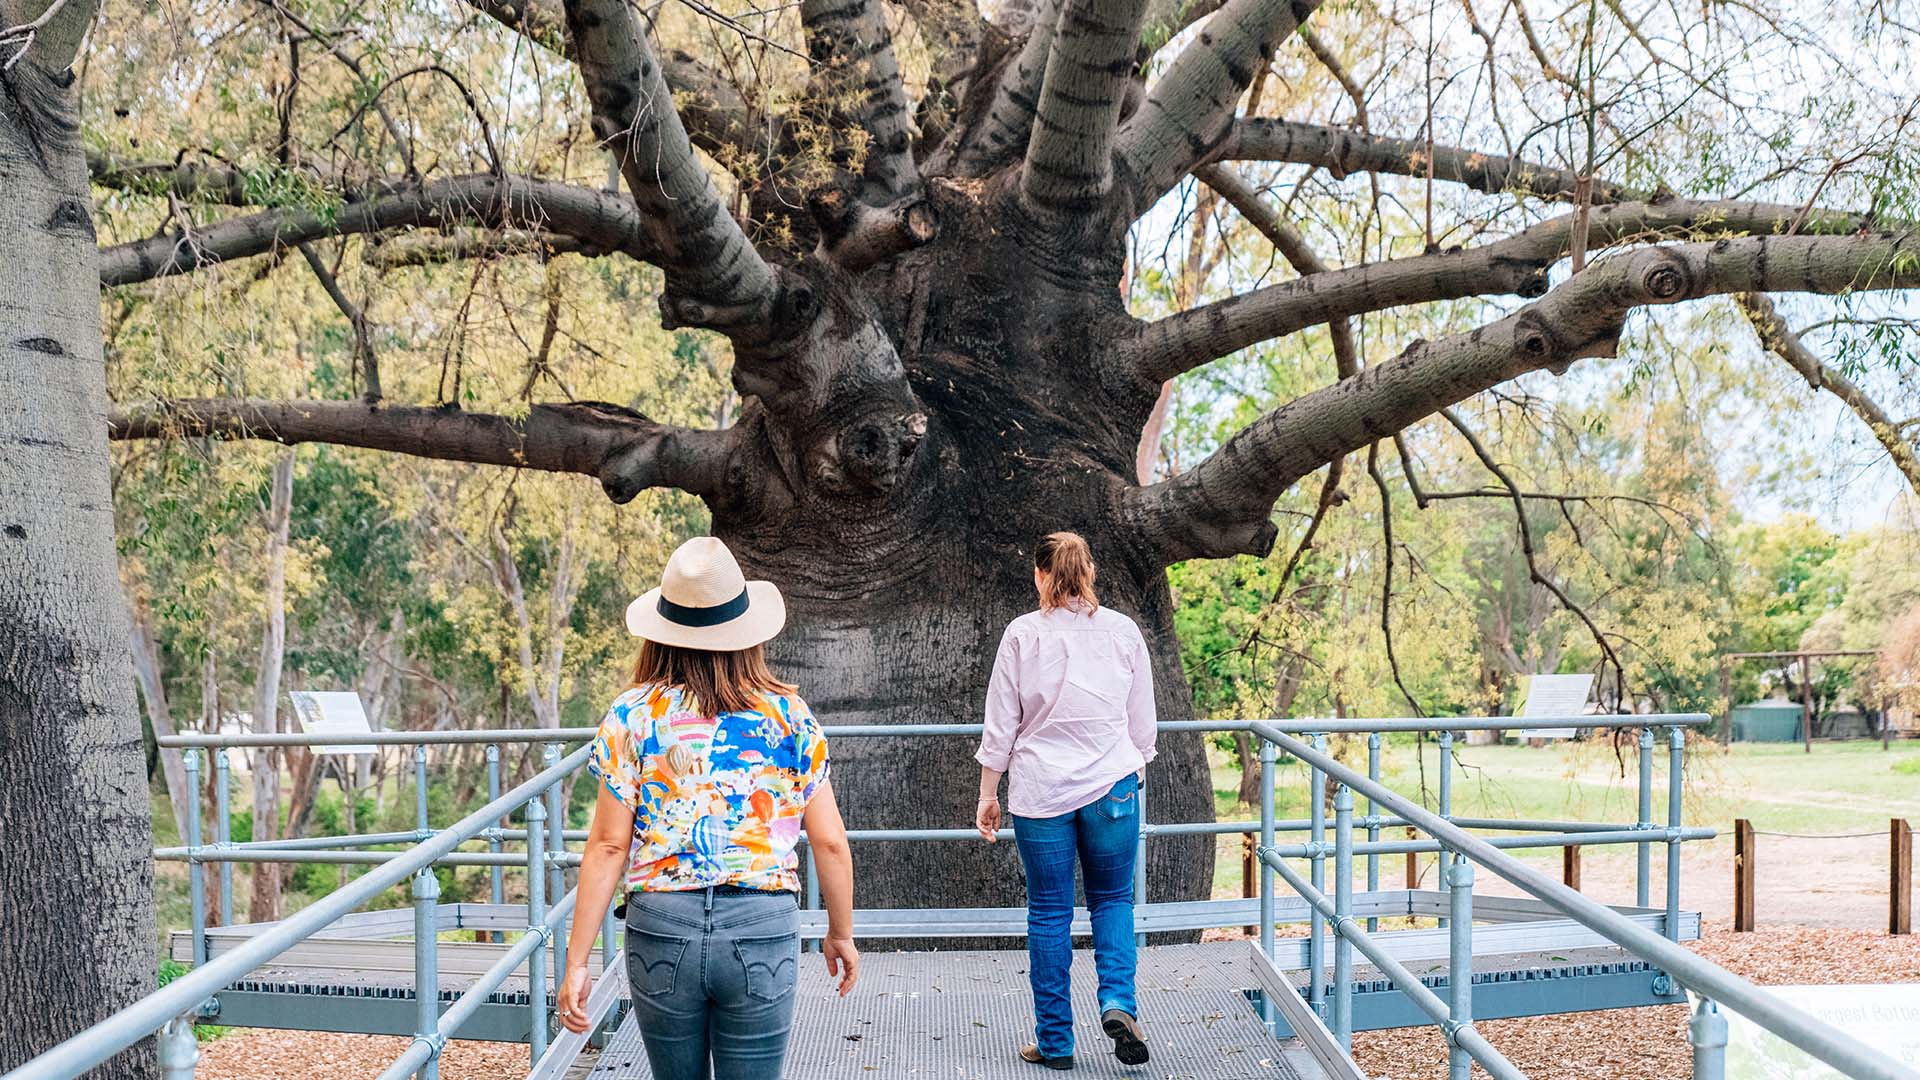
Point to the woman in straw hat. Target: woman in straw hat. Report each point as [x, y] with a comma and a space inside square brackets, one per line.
[1070, 723]
[710, 769]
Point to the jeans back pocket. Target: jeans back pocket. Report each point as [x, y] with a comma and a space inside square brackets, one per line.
[772, 965]
[1122, 799]
[652, 961]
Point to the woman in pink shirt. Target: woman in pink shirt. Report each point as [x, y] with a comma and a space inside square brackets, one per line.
[1070, 723]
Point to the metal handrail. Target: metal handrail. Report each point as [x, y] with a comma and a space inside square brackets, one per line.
[1711, 981]
[184, 994]
[1299, 726]
[173, 1005]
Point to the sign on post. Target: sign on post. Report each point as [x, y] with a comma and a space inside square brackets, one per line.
[1554, 696]
[1885, 1017]
[333, 712]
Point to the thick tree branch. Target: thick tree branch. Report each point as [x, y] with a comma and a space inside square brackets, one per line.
[1292, 247]
[1221, 506]
[1191, 108]
[600, 218]
[1343, 152]
[1001, 136]
[714, 277]
[1780, 339]
[459, 244]
[1517, 265]
[627, 452]
[857, 77]
[1068, 167]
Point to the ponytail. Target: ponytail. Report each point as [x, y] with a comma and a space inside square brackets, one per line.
[1069, 567]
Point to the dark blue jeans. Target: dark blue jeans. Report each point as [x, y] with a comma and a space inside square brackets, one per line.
[1102, 836]
[713, 976]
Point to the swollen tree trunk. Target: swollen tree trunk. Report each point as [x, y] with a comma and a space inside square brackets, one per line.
[265, 905]
[76, 879]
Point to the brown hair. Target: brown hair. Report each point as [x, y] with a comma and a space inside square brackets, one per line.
[717, 682]
[1069, 567]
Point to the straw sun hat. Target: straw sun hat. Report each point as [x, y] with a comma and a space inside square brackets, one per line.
[705, 602]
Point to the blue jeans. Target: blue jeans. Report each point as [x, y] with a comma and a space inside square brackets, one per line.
[1103, 836]
[713, 975]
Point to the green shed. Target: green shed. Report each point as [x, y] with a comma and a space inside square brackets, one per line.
[1767, 721]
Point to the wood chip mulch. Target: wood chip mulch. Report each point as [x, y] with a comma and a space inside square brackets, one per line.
[1622, 1044]
[1651, 1043]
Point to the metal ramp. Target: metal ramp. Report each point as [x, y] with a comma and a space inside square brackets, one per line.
[963, 1015]
[1231, 1010]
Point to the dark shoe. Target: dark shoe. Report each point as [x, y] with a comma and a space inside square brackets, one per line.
[1031, 1055]
[1129, 1042]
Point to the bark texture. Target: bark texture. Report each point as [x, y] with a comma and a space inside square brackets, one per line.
[76, 921]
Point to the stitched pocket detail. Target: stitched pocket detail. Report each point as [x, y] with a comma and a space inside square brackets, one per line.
[772, 965]
[652, 961]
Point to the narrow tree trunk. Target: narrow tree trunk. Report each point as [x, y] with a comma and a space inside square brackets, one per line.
[265, 905]
[153, 690]
[76, 876]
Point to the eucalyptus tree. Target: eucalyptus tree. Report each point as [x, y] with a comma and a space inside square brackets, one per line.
[911, 227]
[76, 924]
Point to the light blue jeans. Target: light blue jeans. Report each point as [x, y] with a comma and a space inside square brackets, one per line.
[713, 975]
[1102, 835]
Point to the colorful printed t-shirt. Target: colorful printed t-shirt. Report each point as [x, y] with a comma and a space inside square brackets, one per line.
[732, 817]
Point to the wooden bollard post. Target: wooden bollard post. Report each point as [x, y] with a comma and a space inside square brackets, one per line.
[1247, 844]
[1570, 866]
[1742, 875]
[1413, 862]
[1900, 892]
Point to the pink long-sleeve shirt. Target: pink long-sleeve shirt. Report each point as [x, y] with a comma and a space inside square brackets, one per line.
[1069, 708]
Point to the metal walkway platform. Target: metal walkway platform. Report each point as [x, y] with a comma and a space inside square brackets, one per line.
[964, 1015]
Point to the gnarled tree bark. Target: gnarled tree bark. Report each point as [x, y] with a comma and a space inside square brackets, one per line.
[76, 876]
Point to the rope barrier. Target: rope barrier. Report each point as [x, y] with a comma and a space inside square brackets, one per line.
[1820, 836]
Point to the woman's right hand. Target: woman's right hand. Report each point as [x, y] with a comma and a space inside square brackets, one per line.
[843, 962]
[573, 998]
[986, 818]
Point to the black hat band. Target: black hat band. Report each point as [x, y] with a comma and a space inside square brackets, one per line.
[681, 615]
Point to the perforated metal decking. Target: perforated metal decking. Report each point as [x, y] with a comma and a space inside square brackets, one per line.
[963, 1015]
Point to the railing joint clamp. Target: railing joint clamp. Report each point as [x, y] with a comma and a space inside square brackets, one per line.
[436, 1043]
[545, 932]
[1454, 1029]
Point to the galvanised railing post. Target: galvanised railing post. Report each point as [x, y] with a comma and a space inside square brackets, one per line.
[223, 831]
[1676, 765]
[536, 924]
[813, 893]
[1373, 824]
[177, 1049]
[420, 789]
[1459, 965]
[497, 893]
[1342, 915]
[1643, 882]
[556, 847]
[609, 931]
[1707, 1033]
[1446, 804]
[1140, 865]
[1269, 754]
[1317, 865]
[196, 871]
[426, 969]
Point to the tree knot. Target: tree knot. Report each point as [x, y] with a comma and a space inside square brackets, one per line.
[1667, 276]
